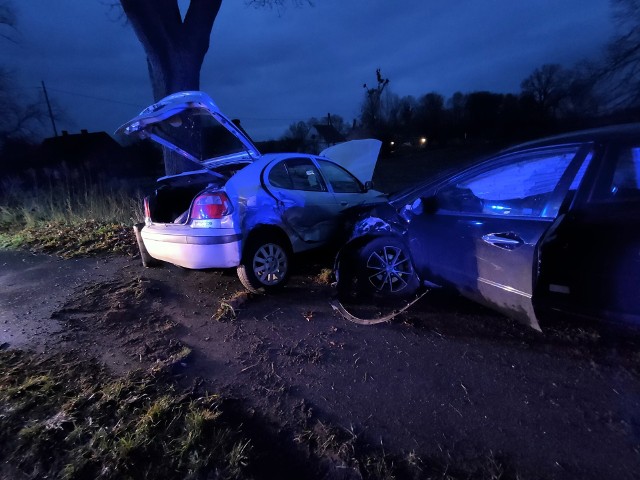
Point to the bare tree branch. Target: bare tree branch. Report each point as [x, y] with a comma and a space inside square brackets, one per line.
[278, 4]
[620, 73]
[8, 21]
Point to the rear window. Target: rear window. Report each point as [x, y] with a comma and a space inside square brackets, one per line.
[196, 132]
[297, 174]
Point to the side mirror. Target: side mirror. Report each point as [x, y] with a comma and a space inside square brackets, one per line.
[421, 205]
[368, 185]
[416, 207]
[412, 209]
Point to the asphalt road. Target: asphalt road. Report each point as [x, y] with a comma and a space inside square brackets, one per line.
[33, 286]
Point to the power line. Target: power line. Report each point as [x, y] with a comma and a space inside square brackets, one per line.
[291, 119]
[138, 105]
[76, 94]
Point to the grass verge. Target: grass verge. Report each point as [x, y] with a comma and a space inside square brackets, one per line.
[68, 219]
[68, 240]
[65, 417]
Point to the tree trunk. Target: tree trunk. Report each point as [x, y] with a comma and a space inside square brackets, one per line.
[175, 47]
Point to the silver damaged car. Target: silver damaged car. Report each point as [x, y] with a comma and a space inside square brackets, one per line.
[235, 207]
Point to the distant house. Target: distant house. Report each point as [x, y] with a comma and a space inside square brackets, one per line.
[82, 150]
[93, 153]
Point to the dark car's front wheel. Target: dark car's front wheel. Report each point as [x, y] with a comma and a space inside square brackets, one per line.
[385, 267]
[265, 265]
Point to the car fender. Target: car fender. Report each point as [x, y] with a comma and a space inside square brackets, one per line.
[363, 232]
[259, 209]
[372, 226]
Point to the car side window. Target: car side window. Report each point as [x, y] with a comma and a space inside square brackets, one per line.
[279, 177]
[625, 180]
[520, 186]
[297, 174]
[340, 180]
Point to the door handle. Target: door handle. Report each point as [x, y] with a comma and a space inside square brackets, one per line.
[508, 241]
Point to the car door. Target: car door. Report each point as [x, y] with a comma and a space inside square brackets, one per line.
[306, 205]
[483, 236]
[591, 265]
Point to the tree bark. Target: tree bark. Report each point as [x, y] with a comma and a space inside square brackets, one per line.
[175, 48]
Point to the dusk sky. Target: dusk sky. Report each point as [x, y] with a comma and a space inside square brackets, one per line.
[272, 68]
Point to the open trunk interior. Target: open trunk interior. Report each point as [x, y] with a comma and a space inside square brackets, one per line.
[172, 199]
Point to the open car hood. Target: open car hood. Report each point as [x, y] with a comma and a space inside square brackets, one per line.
[191, 124]
[357, 156]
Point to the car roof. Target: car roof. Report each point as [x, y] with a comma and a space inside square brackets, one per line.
[620, 132]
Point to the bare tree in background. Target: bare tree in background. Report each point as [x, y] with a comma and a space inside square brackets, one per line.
[547, 85]
[372, 108]
[582, 99]
[18, 121]
[279, 4]
[8, 21]
[176, 47]
[621, 73]
[297, 136]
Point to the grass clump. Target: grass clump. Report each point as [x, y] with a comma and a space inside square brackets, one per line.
[63, 417]
[228, 309]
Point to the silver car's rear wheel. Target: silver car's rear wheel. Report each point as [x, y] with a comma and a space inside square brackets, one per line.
[386, 268]
[265, 266]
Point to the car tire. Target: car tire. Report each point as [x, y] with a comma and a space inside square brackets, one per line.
[147, 260]
[384, 267]
[265, 266]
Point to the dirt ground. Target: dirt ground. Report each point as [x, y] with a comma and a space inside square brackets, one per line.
[446, 379]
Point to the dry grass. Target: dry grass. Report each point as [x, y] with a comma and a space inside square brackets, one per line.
[229, 307]
[82, 238]
[66, 417]
[69, 219]
[66, 201]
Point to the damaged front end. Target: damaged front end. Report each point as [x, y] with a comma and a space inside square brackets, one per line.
[380, 224]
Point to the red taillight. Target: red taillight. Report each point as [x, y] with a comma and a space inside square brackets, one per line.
[210, 205]
[147, 210]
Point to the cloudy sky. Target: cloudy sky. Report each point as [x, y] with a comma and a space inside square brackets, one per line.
[271, 68]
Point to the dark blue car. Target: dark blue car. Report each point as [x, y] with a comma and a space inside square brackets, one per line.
[543, 227]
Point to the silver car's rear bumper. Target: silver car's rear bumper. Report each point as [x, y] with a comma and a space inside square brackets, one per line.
[193, 248]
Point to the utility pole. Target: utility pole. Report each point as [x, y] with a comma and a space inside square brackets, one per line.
[46, 97]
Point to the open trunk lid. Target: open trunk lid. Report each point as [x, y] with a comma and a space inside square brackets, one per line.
[192, 125]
